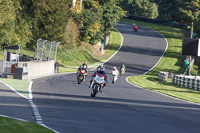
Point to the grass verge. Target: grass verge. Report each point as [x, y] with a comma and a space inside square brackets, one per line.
[75, 57]
[9, 125]
[19, 85]
[172, 61]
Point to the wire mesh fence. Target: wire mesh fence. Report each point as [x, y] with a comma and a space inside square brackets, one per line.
[46, 50]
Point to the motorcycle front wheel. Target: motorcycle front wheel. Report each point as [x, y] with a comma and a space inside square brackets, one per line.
[79, 78]
[94, 90]
[113, 80]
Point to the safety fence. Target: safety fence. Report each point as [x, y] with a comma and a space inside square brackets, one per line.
[163, 76]
[192, 82]
[46, 50]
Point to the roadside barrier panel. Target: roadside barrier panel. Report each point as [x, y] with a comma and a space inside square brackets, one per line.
[192, 82]
[163, 76]
[36, 69]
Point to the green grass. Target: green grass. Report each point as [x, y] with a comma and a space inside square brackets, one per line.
[114, 44]
[15, 126]
[172, 61]
[19, 85]
[77, 56]
[66, 70]
[73, 57]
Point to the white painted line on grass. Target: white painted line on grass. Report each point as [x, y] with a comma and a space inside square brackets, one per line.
[14, 90]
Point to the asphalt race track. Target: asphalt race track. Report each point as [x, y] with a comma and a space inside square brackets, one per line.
[67, 107]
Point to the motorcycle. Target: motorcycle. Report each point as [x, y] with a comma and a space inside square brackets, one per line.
[135, 28]
[81, 75]
[122, 70]
[97, 84]
[114, 75]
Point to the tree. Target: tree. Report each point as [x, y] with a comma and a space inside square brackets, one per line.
[49, 19]
[14, 28]
[7, 21]
[97, 19]
[190, 10]
[144, 8]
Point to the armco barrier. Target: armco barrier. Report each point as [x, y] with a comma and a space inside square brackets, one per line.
[192, 82]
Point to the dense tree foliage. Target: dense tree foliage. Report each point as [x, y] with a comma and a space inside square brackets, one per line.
[144, 8]
[97, 18]
[186, 10]
[68, 21]
[170, 10]
[14, 28]
[25, 21]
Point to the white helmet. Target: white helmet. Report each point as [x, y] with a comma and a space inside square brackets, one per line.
[114, 68]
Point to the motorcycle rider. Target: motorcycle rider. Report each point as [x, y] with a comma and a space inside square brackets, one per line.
[100, 66]
[122, 68]
[114, 70]
[83, 67]
[135, 27]
[100, 71]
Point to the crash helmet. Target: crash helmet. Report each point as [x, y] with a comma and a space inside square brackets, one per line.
[123, 65]
[114, 68]
[101, 70]
[85, 63]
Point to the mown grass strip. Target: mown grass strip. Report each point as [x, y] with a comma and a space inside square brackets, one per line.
[172, 61]
[78, 56]
[9, 125]
[20, 86]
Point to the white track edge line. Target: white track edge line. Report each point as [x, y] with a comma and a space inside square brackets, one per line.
[106, 60]
[49, 128]
[116, 51]
[153, 68]
[38, 117]
[14, 90]
[161, 55]
[161, 93]
[14, 118]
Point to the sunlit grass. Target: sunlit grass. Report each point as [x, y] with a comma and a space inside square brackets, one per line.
[15, 126]
[172, 61]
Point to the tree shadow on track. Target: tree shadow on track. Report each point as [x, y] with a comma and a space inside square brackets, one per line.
[81, 100]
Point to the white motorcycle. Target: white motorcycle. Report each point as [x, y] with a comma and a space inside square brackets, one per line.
[97, 84]
[114, 76]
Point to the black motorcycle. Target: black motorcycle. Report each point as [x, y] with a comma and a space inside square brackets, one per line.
[81, 75]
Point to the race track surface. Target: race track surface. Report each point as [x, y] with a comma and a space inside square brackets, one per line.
[67, 107]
